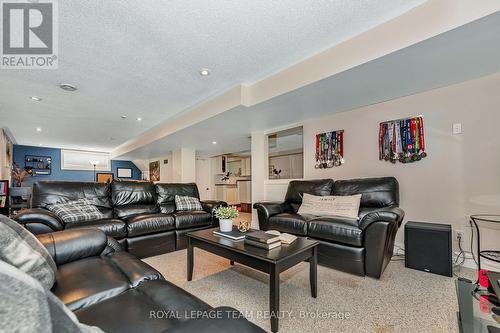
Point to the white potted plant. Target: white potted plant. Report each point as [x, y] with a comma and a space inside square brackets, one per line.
[226, 216]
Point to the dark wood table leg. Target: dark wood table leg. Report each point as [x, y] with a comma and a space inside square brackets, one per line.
[313, 272]
[189, 260]
[274, 299]
[231, 262]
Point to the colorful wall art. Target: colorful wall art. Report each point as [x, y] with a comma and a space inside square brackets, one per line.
[402, 140]
[329, 149]
[154, 171]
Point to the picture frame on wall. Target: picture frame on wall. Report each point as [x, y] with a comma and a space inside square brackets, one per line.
[104, 177]
[154, 171]
[124, 172]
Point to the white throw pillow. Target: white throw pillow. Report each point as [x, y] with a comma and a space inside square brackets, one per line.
[346, 206]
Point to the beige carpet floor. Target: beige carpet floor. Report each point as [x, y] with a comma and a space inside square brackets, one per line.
[403, 300]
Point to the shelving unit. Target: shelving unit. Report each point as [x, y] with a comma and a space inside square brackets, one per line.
[4, 197]
[39, 165]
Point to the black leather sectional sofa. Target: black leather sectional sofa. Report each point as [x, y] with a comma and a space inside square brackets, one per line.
[362, 246]
[141, 216]
[109, 288]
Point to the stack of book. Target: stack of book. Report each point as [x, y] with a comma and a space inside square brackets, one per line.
[262, 239]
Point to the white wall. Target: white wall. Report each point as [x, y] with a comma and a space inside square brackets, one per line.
[181, 166]
[165, 169]
[460, 176]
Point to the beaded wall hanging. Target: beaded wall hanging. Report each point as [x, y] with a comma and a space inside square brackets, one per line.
[402, 140]
[329, 149]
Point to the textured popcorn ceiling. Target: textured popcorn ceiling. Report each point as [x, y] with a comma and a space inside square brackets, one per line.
[467, 52]
[142, 58]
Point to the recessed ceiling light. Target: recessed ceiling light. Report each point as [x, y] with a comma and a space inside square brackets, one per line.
[138, 118]
[123, 116]
[67, 87]
[38, 129]
[214, 142]
[204, 72]
[36, 98]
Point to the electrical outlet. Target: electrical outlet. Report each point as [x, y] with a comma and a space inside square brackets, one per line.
[459, 234]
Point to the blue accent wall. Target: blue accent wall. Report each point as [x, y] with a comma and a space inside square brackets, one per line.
[67, 175]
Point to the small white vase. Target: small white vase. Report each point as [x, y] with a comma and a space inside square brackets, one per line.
[225, 225]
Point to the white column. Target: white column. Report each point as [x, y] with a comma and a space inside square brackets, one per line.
[184, 165]
[259, 171]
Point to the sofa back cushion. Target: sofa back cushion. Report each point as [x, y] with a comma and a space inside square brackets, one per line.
[296, 189]
[376, 192]
[47, 193]
[133, 197]
[166, 193]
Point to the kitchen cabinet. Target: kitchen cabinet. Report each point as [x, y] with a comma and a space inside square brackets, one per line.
[220, 164]
[227, 193]
[291, 166]
[246, 167]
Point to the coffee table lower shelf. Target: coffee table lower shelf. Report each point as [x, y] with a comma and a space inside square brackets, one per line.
[263, 263]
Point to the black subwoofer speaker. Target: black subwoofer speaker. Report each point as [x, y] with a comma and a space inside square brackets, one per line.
[428, 247]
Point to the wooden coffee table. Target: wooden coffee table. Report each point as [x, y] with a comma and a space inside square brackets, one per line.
[272, 262]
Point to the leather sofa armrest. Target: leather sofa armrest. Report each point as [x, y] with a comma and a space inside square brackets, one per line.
[386, 214]
[267, 209]
[210, 205]
[220, 319]
[39, 220]
[270, 208]
[135, 269]
[112, 246]
[71, 245]
[379, 232]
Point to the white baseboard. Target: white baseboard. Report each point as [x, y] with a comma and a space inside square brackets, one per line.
[468, 262]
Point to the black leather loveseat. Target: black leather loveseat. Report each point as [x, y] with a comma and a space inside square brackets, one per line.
[109, 288]
[141, 216]
[362, 246]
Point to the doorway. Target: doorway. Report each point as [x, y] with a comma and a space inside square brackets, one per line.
[204, 178]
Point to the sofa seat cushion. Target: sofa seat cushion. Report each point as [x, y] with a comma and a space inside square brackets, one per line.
[337, 229]
[135, 209]
[115, 228]
[88, 281]
[289, 222]
[143, 224]
[184, 220]
[138, 307]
